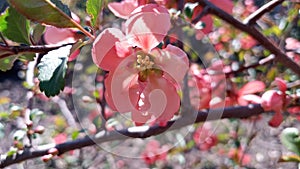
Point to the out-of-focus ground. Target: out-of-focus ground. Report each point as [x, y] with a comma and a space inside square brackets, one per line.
[264, 149]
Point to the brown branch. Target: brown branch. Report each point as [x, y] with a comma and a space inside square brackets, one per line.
[136, 132]
[251, 19]
[3, 39]
[15, 50]
[258, 36]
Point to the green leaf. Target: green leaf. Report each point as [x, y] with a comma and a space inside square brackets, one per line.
[44, 11]
[17, 28]
[8, 62]
[75, 135]
[27, 57]
[4, 115]
[8, 59]
[37, 33]
[93, 8]
[189, 8]
[291, 140]
[12, 151]
[3, 22]
[52, 70]
[272, 30]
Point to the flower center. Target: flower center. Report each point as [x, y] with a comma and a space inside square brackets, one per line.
[146, 67]
[144, 62]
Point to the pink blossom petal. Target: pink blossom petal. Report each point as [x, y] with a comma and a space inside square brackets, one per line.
[145, 28]
[58, 36]
[206, 20]
[163, 99]
[74, 55]
[226, 5]
[292, 44]
[208, 27]
[276, 120]
[271, 100]
[123, 9]
[106, 48]
[281, 84]
[75, 17]
[139, 118]
[150, 8]
[248, 99]
[122, 88]
[173, 61]
[247, 42]
[252, 87]
[154, 152]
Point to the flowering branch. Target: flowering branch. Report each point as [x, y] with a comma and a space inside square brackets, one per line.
[257, 35]
[134, 132]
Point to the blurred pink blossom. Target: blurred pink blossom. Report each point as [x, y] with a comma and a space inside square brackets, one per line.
[204, 138]
[154, 152]
[274, 100]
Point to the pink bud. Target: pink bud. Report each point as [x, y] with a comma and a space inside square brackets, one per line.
[47, 157]
[39, 129]
[53, 151]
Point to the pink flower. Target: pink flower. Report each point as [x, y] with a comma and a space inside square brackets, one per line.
[246, 94]
[124, 8]
[60, 36]
[204, 138]
[295, 111]
[274, 100]
[292, 44]
[142, 79]
[200, 90]
[247, 42]
[154, 152]
[60, 138]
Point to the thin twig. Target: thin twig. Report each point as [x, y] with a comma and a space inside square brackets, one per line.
[280, 56]
[3, 39]
[251, 19]
[65, 111]
[180, 5]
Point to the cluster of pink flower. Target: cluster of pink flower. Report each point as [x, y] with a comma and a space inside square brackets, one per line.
[154, 152]
[252, 92]
[204, 137]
